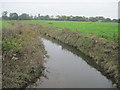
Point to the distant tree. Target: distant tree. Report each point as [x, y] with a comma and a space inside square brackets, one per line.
[31, 17]
[115, 20]
[46, 17]
[107, 20]
[59, 17]
[68, 18]
[96, 19]
[119, 20]
[42, 17]
[71, 17]
[24, 16]
[77, 18]
[64, 18]
[13, 16]
[4, 15]
[39, 17]
[52, 17]
[101, 18]
[92, 19]
[87, 19]
[80, 18]
[35, 17]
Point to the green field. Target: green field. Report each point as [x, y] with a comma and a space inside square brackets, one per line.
[108, 31]
[103, 30]
[5, 24]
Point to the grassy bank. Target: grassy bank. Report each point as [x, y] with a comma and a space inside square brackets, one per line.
[23, 55]
[108, 31]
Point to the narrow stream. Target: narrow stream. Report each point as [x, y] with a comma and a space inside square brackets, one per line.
[66, 69]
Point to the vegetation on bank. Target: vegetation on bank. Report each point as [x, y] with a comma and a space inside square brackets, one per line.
[22, 56]
[108, 31]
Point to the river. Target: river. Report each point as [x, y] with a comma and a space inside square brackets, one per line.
[67, 68]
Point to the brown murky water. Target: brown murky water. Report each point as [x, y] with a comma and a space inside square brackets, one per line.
[66, 69]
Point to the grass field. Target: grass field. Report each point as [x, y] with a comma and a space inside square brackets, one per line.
[108, 31]
[5, 24]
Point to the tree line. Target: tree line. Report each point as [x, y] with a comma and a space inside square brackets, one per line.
[25, 16]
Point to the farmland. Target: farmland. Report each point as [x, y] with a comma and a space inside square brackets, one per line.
[104, 30]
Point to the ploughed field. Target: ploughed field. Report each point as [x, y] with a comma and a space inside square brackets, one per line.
[107, 31]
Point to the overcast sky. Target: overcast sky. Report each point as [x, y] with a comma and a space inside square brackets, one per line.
[106, 8]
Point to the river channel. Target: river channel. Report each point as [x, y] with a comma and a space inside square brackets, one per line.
[67, 68]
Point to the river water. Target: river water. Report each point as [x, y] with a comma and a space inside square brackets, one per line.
[65, 68]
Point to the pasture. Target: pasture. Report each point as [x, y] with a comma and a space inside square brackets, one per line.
[105, 30]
